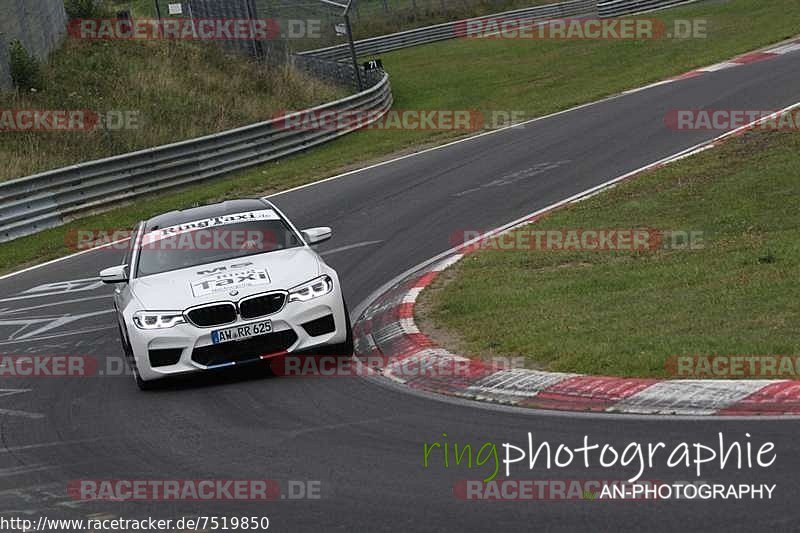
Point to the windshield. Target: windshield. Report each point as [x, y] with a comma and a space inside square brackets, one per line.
[212, 240]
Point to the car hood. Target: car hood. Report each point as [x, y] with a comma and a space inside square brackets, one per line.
[214, 282]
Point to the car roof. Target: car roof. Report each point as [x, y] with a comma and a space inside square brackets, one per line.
[174, 218]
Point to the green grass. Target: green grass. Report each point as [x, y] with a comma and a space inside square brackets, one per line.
[615, 313]
[140, 8]
[532, 77]
[370, 19]
[542, 76]
[160, 82]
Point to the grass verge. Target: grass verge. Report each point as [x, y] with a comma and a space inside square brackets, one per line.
[469, 74]
[372, 18]
[160, 84]
[617, 313]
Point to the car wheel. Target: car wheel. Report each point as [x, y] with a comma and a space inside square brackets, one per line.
[142, 384]
[346, 348]
[126, 347]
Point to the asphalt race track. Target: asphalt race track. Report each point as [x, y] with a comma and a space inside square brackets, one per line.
[362, 439]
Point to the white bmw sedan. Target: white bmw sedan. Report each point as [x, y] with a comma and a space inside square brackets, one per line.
[224, 285]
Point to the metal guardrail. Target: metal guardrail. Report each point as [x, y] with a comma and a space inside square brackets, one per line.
[616, 8]
[451, 30]
[48, 199]
[34, 203]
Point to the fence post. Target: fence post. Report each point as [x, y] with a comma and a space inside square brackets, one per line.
[353, 53]
[252, 15]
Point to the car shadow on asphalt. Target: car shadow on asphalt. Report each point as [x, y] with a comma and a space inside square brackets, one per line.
[215, 378]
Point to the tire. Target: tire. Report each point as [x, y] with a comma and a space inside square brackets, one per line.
[344, 349]
[126, 347]
[142, 384]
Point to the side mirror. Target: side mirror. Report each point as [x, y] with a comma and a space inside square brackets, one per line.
[117, 274]
[317, 235]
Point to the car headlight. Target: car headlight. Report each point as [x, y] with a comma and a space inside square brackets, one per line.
[312, 289]
[157, 319]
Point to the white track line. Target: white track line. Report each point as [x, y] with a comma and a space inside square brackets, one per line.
[11, 449]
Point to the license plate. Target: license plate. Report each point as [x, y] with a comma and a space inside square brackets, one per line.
[241, 332]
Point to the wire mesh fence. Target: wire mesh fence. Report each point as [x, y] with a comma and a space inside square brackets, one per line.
[295, 26]
[273, 31]
[378, 17]
[39, 26]
[371, 18]
[312, 24]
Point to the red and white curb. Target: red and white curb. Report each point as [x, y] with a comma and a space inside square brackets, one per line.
[386, 329]
[772, 52]
[745, 59]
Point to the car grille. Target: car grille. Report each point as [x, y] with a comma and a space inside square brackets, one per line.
[244, 350]
[263, 305]
[212, 315]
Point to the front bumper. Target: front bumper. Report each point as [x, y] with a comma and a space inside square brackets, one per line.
[198, 352]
